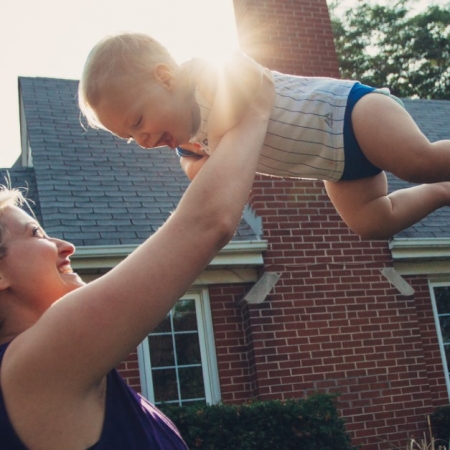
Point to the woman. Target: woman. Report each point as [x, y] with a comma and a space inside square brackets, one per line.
[61, 339]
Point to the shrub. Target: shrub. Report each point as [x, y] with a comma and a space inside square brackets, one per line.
[310, 424]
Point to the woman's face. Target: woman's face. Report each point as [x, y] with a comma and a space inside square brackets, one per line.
[36, 267]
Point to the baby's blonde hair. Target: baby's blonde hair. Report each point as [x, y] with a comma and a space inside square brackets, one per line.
[115, 57]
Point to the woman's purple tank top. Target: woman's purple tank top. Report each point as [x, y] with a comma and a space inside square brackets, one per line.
[131, 422]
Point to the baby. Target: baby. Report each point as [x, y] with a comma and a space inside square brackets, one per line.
[339, 131]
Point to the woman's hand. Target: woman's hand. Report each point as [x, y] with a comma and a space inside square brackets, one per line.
[192, 165]
[192, 160]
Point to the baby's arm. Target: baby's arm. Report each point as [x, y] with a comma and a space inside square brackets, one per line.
[239, 79]
[230, 89]
[229, 107]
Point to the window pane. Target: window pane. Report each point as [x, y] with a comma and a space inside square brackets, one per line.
[165, 326]
[447, 355]
[184, 317]
[188, 349]
[442, 295]
[161, 350]
[165, 385]
[191, 382]
[445, 328]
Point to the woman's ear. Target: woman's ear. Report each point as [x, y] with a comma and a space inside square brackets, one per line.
[164, 75]
[4, 284]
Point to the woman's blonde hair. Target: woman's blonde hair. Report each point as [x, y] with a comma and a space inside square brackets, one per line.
[8, 197]
[114, 58]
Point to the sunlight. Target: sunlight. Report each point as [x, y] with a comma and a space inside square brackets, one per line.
[200, 28]
[54, 38]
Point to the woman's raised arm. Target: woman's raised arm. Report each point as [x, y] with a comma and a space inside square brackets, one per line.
[89, 331]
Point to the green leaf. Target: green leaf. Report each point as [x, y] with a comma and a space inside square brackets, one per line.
[385, 46]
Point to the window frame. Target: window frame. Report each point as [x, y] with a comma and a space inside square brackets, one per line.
[207, 351]
[445, 363]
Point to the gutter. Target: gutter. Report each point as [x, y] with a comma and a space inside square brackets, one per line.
[424, 256]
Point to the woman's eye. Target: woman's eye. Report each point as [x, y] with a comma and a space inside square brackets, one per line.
[138, 122]
[37, 231]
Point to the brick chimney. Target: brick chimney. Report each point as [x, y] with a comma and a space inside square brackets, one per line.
[291, 36]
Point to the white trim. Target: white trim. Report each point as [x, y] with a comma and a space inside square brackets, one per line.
[145, 370]
[208, 348]
[427, 256]
[238, 262]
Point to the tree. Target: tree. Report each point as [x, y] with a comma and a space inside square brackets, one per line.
[387, 46]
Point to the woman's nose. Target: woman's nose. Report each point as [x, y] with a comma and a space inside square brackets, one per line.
[65, 247]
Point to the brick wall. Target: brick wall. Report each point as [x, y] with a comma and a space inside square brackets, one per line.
[332, 322]
[129, 370]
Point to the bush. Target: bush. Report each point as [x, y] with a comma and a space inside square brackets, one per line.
[440, 421]
[311, 424]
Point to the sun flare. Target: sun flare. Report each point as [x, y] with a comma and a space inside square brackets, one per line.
[63, 34]
[205, 29]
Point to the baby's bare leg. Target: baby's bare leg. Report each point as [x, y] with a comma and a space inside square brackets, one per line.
[370, 212]
[390, 139]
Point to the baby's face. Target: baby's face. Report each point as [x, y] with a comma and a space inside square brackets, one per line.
[154, 112]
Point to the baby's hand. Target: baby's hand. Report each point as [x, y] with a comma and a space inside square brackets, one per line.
[191, 164]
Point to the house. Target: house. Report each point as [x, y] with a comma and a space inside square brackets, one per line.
[367, 319]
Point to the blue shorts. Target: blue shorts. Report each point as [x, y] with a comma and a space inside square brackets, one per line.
[356, 164]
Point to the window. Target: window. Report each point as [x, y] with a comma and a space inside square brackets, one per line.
[177, 361]
[441, 307]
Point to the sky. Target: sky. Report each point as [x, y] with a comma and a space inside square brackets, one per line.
[51, 38]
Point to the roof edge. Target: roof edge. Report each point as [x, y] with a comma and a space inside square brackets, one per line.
[242, 254]
[421, 256]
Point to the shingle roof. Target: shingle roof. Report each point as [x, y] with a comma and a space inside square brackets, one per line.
[432, 116]
[94, 189]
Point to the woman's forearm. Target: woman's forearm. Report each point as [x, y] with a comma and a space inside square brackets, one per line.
[223, 185]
